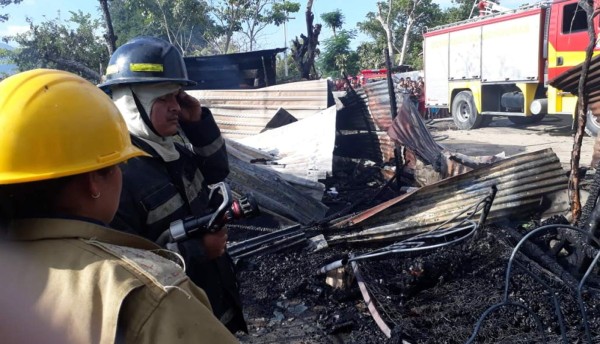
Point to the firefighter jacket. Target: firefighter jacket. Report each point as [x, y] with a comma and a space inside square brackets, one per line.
[156, 193]
[86, 283]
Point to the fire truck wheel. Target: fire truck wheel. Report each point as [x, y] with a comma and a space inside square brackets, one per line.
[464, 112]
[592, 124]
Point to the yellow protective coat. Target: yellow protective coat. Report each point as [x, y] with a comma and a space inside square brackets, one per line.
[91, 284]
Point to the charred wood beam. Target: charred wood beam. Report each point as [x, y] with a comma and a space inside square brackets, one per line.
[590, 214]
[409, 130]
[552, 268]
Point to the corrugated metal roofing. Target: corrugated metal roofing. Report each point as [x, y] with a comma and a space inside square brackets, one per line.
[273, 192]
[569, 81]
[242, 113]
[377, 98]
[525, 184]
[362, 124]
[303, 148]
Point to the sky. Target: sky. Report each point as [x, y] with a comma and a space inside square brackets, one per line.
[273, 37]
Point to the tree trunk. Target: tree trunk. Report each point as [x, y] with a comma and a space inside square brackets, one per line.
[582, 103]
[409, 25]
[109, 36]
[389, 30]
[304, 53]
[228, 36]
[389, 34]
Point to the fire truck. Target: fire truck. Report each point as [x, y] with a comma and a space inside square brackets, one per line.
[499, 64]
[371, 75]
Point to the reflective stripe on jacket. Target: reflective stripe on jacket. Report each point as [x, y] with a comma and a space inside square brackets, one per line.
[156, 193]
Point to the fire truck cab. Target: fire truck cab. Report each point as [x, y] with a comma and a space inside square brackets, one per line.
[499, 64]
[371, 75]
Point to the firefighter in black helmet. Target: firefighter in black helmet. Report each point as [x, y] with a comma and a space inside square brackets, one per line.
[145, 77]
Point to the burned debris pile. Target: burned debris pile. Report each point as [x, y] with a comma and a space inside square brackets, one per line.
[410, 242]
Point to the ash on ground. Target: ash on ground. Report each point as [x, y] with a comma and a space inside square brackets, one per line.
[433, 298]
[437, 297]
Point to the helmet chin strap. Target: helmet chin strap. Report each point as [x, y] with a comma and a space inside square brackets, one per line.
[143, 112]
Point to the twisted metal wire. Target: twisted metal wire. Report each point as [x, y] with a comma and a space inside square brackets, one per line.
[507, 303]
[422, 242]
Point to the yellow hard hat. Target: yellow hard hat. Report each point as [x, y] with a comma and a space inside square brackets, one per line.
[55, 124]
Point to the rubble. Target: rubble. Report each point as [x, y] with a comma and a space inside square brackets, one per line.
[388, 249]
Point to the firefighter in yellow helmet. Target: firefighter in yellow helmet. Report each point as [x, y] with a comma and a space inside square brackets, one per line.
[61, 143]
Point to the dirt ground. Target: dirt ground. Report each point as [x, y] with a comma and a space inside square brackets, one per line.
[501, 135]
[286, 302]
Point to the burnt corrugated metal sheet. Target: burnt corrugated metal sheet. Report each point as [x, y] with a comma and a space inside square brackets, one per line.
[359, 134]
[569, 80]
[354, 115]
[377, 98]
[375, 146]
[273, 192]
[242, 113]
[372, 103]
[526, 183]
[303, 148]
[409, 130]
[261, 159]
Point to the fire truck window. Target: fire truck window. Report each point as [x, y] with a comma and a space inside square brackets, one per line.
[574, 19]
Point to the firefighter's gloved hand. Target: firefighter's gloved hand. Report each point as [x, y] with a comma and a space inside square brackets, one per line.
[215, 243]
[191, 109]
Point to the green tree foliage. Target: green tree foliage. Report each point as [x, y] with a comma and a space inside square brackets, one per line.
[460, 10]
[3, 3]
[228, 14]
[184, 23]
[333, 20]
[281, 11]
[246, 18]
[262, 13]
[68, 45]
[398, 25]
[293, 72]
[370, 55]
[336, 56]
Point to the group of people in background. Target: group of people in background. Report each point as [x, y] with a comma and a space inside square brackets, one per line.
[416, 91]
[343, 85]
[414, 88]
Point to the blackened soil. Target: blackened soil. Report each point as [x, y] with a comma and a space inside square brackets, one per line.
[447, 295]
[438, 297]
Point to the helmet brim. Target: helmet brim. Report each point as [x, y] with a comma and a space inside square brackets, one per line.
[145, 80]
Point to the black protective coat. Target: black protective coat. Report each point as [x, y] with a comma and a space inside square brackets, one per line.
[150, 184]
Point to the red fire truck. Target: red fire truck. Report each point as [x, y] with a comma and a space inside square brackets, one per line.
[498, 64]
[371, 75]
